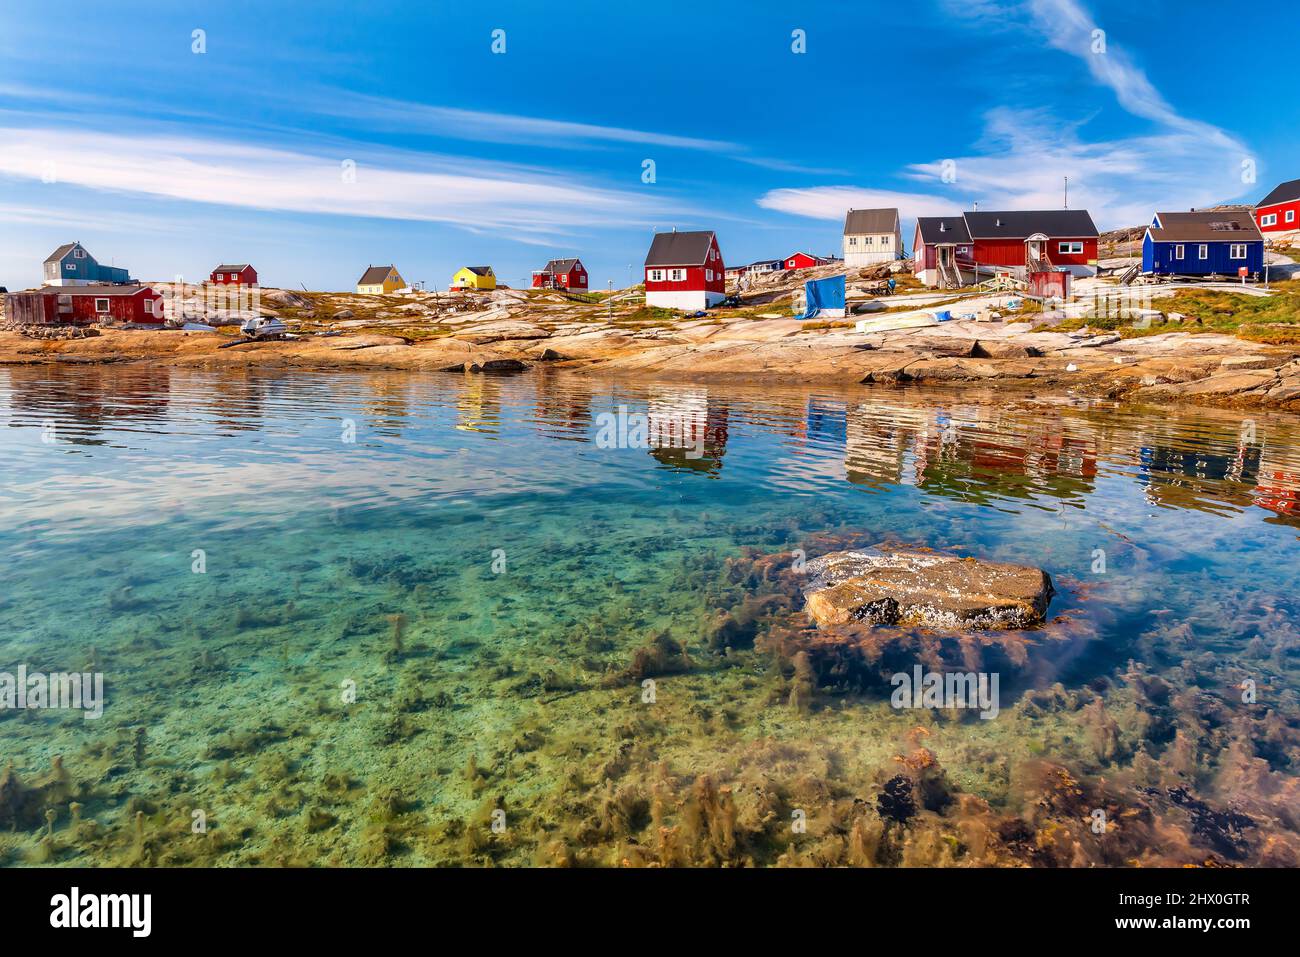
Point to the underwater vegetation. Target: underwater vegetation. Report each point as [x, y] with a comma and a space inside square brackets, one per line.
[356, 680]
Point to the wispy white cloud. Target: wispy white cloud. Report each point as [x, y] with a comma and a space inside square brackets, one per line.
[530, 202]
[384, 113]
[1025, 154]
[831, 202]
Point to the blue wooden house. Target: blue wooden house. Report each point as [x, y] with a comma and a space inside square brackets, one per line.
[72, 265]
[1214, 243]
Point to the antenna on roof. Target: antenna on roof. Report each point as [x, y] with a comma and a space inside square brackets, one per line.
[1067, 192]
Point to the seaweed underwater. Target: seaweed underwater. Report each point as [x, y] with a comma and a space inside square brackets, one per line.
[618, 669]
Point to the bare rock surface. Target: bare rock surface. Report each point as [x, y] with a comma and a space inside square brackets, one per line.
[889, 585]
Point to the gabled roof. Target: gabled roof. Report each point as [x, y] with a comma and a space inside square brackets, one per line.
[942, 229]
[1021, 224]
[680, 249]
[860, 221]
[1283, 194]
[480, 270]
[1216, 226]
[237, 267]
[559, 265]
[375, 275]
[58, 254]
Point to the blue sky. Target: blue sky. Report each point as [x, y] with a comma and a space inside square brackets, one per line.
[115, 132]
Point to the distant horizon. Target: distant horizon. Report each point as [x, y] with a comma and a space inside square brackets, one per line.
[311, 140]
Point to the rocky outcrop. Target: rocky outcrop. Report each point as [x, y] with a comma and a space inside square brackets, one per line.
[889, 585]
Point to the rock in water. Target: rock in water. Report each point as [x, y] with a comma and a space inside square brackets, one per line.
[888, 585]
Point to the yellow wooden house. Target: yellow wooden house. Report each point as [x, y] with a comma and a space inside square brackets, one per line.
[474, 277]
[380, 280]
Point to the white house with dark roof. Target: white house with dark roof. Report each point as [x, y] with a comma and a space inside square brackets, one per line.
[872, 236]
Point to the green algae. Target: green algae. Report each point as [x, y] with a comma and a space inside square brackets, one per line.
[430, 646]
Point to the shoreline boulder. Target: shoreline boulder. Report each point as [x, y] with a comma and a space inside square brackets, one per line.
[889, 585]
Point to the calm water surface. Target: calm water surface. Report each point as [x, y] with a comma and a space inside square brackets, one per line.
[241, 554]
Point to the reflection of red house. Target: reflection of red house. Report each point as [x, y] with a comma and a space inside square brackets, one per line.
[85, 305]
[237, 275]
[1279, 492]
[561, 274]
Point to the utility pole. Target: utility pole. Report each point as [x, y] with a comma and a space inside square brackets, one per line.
[1067, 192]
[611, 299]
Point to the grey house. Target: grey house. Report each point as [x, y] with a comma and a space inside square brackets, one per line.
[71, 265]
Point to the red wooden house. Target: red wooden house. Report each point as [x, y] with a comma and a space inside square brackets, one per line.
[86, 305]
[804, 261]
[561, 274]
[685, 271]
[241, 274]
[949, 250]
[1279, 211]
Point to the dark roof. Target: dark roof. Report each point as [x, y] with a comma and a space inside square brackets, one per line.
[1021, 224]
[680, 249]
[480, 270]
[375, 275]
[99, 290]
[227, 267]
[860, 221]
[942, 229]
[559, 266]
[1283, 194]
[1209, 227]
[58, 254]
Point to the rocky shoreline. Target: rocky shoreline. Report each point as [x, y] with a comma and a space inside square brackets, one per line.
[1205, 369]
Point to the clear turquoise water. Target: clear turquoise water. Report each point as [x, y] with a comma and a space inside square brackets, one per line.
[224, 688]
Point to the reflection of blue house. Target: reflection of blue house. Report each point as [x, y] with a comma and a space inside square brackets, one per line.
[71, 265]
[1218, 242]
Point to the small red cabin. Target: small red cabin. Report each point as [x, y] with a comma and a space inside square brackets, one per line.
[685, 271]
[86, 305]
[241, 274]
[561, 274]
[804, 261]
[1279, 211]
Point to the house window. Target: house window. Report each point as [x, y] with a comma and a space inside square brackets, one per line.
[677, 275]
[1290, 215]
[220, 277]
[853, 240]
[655, 275]
[79, 253]
[1178, 252]
[1070, 249]
[1237, 251]
[70, 267]
[101, 305]
[708, 275]
[1202, 251]
[871, 240]
[1269, 220]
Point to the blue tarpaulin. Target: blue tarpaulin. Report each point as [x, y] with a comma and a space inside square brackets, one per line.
[824, 296]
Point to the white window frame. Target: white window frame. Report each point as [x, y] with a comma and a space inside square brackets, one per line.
[1269, 219]
[103, 309]
[853, 240]
[677, 275]
[1233, 251]
[1290, 215]
[1178, 251]
[70, 267]
[1203, 251]
[1069, 248]
[655, 275]
[708, 275]
[78, 253]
